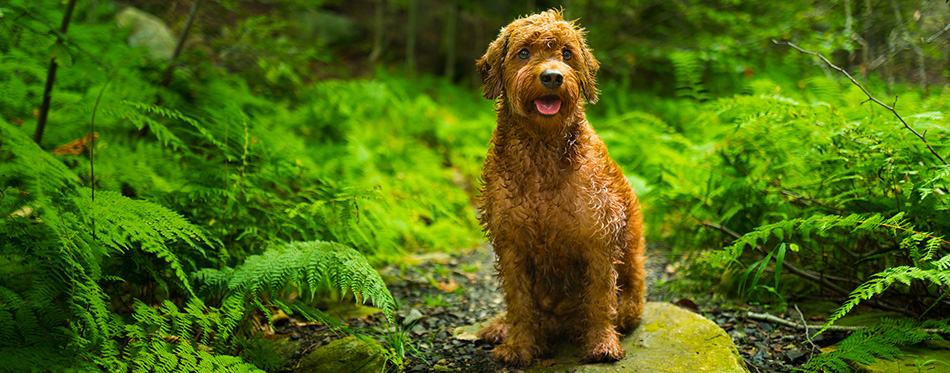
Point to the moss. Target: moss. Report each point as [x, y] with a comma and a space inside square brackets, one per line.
[349, 354]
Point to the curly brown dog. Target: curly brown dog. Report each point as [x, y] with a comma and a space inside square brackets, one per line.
[565, 224]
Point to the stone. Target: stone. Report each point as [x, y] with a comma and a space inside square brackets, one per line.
[147, 31]
[669, 339]
[349, 354]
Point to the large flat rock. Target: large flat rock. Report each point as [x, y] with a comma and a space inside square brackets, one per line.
[669, 339]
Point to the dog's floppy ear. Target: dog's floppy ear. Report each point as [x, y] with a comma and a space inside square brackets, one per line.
[588, 79]
[492, 64]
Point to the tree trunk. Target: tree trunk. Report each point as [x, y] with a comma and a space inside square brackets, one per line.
[378, 25]
[411, 35]
[450, 38]
[51, 76]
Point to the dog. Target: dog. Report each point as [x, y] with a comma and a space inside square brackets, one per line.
[565, 225]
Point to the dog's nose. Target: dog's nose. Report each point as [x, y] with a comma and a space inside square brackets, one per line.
[552, 78]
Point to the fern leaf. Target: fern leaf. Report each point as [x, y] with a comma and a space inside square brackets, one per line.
[879, 342]
[123, 223]
[303, 264]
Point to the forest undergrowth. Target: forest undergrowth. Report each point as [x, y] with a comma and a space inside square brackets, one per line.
[160, 226]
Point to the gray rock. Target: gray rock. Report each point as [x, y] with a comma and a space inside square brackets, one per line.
[147, 31]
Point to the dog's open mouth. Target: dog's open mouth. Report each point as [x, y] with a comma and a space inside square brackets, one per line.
[548, 105]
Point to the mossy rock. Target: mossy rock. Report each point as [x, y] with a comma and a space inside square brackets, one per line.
[349, 354]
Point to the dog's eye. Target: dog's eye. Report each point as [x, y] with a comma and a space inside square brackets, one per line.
[566, 55]
[523, 54]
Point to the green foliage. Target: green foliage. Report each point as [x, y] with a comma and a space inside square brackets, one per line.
[168, 339]
[99, 254]
[879, 342]
[309, 268]
[688, 72]
[830, 188]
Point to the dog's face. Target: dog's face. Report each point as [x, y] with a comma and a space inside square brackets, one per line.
[541, 65]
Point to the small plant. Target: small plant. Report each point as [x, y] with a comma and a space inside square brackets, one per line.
[437, 300]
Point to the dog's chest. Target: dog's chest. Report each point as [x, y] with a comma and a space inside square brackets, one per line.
[560, 208]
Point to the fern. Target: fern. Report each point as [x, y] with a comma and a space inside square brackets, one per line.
[688, 72]
[818, 224]
[881, 281]
[168, 339]
[306, 265]
[931, 272]
[879, 342]
[121, 222]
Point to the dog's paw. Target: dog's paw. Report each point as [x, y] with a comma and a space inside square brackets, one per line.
[495, 333]
[513, 355]
[608, 349]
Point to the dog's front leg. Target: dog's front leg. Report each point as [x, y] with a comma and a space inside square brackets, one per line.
[525, 337]
[601, 341]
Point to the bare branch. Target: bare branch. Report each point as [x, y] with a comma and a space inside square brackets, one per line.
[836, 328]
[930, 39]
[870, 97]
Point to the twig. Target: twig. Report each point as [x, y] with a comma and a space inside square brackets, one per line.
[930, 39]
[803, 325]
[166, 80]
[870, 97]
[801, 316]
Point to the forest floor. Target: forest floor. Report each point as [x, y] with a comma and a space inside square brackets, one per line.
[443, 292]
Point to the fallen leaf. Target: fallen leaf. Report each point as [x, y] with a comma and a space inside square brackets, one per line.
[76, 147]
[687, 304]
[449, 286]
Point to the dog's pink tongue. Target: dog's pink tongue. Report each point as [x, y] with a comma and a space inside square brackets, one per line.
[548, 107]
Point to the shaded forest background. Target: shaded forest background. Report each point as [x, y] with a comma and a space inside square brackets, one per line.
[174, 203]
[633, 40]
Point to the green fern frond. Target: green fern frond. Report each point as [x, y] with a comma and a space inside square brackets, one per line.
[688, 72]
[879, 342]
[165, 339]
[883, 280]
[30, 159]
[820, 224]
[305, 265]
[177, 115]
[123, 224]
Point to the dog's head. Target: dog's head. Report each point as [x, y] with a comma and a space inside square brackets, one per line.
[541, 65]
